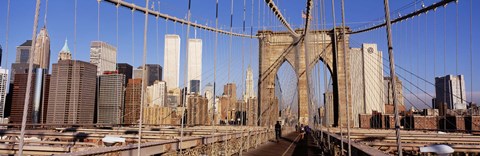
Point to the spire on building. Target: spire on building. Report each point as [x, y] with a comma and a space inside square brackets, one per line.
[42, 49]
[65, 52]
[249, 91]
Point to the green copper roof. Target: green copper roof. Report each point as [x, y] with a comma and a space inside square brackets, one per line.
[65, 47]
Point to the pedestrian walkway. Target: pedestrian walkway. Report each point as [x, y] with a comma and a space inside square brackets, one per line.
[289, 144]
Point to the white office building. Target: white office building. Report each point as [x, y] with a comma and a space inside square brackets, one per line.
[3, 90]
[451, 90]
[367, 80]
[194, 65]
[104, 56]
[209, 95]
[172, 61]
[157, 94]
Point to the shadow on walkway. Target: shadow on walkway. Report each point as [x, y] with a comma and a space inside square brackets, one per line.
[306, 146]
[288, 145]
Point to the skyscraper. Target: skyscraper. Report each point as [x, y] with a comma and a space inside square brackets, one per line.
[125, 69]
[195, 87]
[230, 91]
[195, 64]
[153, 71]
[23, 52]
[450, 89]
[209, 95]
[197, 113]
[173, 98]
[110, 103]
[104, 56]
[3, 90]
[249, 92]
[65, 52]
[138, 73]
[18, 98]
[19, 68]
[133, 95]
[72, 92]
[328, 103]
[388, 91]
[37, 97]
[42, 49]
[367, 88]
[156, 94]
[172, 61]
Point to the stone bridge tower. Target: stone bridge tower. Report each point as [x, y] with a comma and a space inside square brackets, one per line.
[277, 48]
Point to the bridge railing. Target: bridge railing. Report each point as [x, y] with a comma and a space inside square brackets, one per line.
[217, 144]
[331, 145]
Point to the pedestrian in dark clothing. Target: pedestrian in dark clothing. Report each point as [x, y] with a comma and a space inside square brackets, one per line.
[278, 131]
[302, 131]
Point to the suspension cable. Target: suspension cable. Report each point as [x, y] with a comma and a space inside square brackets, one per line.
[444, 65]
[215, 69]
[185, 75]
[98, 20]
[456, 38]
[144, 83]
[29, 79]
[7, 30]
[134, 90]
[345, 52]
[336, 56]
[157, 40]
[471, 54]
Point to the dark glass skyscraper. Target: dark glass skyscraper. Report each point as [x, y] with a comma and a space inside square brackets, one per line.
[125, 69]
[154, 72]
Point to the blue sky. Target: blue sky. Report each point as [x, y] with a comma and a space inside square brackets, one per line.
[409, 37]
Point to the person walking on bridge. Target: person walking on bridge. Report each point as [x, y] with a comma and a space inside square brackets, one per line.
[278, 131]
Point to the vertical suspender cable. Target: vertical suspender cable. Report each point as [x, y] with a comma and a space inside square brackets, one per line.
[122, 107]
[74, 57]
[242, 108]
[243, 60]
[98, 20]
[156, 18]
[425, 48]
[144, 83]
[435, 45]
[445, 67]
[7, 28]
[185, 76]
[393, 76]
[345, 54]
[29, 79]
[471, 55]
[133, 62]
[230, 50]
[336, 56]
[251, 34]
[215, 67]
[456, 38]
[425, 61]
[325, 78]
